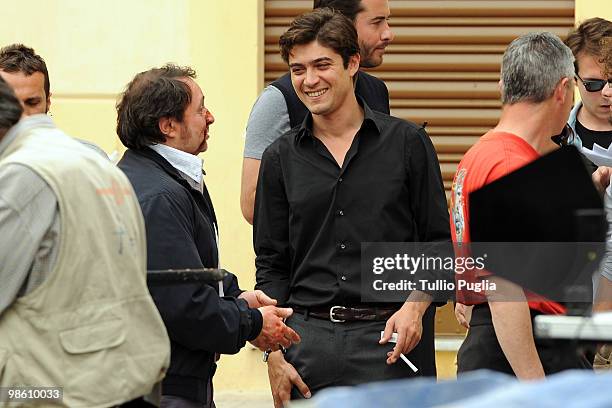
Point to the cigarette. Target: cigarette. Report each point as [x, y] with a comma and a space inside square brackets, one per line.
[393, 339]
[412, 366]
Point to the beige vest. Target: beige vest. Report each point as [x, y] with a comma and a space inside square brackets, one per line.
[91, 327]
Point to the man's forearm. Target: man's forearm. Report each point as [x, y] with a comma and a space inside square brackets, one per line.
[250, 172]
[603, 299]
[418, 302]
[512, 324]
[247, 204]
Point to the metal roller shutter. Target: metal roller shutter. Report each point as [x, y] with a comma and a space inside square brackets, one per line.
[443, 66]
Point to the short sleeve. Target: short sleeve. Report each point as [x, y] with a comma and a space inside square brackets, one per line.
[269, 120]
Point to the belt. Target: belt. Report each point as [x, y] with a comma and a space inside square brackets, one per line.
[340, 314]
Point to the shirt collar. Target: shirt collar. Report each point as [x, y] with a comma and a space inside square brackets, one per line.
[33, 121]
[368, 116]
[186, 163]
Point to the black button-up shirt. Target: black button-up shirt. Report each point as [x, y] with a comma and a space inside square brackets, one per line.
[311, 216]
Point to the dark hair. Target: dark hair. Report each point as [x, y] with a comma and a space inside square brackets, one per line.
[329, 28]
[350, 8]
[19, 58]
[588, 37]
[152, 95]
[10, 108]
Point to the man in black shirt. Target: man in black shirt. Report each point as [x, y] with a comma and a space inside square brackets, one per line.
[347, 175]
[591, 118]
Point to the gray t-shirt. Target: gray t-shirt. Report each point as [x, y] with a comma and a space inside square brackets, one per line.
[269, 120]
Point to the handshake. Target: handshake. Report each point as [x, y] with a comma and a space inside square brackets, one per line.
[274, 331]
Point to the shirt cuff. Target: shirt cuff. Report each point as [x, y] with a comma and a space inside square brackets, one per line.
[256, 324]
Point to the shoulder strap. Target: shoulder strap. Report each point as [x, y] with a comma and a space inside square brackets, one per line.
[373, 91]
[295, 107]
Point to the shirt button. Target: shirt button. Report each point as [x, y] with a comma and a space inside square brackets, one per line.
[342, 246]
[340, 213]
[343, 278]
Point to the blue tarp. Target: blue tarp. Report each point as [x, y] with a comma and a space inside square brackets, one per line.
[480, 389]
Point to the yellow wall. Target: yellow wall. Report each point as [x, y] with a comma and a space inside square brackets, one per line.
[92, 49]
[593, 8]
[230, 61]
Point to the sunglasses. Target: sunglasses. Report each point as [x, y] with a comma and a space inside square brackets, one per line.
[594, 85]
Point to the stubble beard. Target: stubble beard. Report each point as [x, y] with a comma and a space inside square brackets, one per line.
[367, 60]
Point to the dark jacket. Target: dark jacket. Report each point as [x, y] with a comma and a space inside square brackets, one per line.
[373, 91]
[180, 224]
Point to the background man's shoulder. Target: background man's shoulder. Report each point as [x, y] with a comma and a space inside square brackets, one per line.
[282, 144]
[269, 119]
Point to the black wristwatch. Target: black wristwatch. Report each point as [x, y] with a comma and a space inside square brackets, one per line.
[266, 354]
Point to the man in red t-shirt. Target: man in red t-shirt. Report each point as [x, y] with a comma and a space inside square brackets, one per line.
[537, 93]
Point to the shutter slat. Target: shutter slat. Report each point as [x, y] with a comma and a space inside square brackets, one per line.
[455, 145]
[445, 103]
[432, 8]
[426, 48]
[416, 75]
[449, 117]
[543, 21]
[432, 35]
[480, 8]
[442, 89]
[420, 62]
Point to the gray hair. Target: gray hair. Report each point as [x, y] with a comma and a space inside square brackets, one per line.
[532, 66]
[10, 108]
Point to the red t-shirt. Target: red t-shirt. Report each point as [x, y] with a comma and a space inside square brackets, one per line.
[495, 155]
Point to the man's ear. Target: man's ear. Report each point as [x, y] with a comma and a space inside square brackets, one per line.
[561, 90]
[353, 64]
[167, 126]
[48, 102]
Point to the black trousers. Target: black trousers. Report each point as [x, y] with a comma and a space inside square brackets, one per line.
[480, 349]
[337, 354]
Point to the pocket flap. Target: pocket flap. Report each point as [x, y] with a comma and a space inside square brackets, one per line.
[93, 337]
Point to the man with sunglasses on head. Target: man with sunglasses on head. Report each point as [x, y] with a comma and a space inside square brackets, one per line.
[591, 118]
